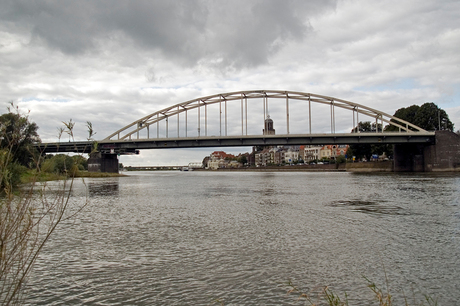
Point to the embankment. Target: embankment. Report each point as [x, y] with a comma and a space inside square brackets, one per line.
[385, 166]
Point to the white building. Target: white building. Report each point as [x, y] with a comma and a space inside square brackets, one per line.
[291, 156]
[312, 153]
[325, 152]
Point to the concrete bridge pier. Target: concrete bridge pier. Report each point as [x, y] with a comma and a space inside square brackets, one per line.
[442, 155]
[408, 158]
[99, 162]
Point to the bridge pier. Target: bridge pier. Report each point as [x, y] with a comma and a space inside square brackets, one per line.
[442, 155]
[99, 162]
[409, 158]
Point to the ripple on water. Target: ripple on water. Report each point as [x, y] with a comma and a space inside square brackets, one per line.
[370, 207]
[173, 239]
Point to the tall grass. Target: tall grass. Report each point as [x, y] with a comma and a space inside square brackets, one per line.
[324, 295]
[29, 215]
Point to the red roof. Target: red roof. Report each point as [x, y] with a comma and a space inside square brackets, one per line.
[221, 154]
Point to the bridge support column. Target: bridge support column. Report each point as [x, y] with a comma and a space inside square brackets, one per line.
[409, 158]
[99, 162]
[443, 155]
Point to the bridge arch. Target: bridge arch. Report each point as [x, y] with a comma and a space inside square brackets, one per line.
[132, 131]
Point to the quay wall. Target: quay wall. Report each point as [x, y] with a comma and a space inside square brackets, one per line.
[384, 166]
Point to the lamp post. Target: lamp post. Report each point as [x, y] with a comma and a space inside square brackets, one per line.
[439, 119]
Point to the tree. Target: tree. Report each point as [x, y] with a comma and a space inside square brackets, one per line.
[366, 150]
[18, 135]
[243, 159]
[428, 116]
[340, 159]
[366, 126]
[64, 164]
[27, 218]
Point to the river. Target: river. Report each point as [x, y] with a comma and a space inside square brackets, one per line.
[202, 238]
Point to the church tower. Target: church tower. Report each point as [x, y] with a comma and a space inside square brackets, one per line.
[268, 127]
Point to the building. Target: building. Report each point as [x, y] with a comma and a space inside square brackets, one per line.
[279, 155]
[311, 153]
[291, 156]
[216, 164]
[221, 155]
[338, 150]
[264, 157]
[332, 151]
[218, 159]
[325, 152]
[268, 127]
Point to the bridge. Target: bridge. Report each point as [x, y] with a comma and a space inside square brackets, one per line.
[248, 118]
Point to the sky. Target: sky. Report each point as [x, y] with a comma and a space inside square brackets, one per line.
[112, 63]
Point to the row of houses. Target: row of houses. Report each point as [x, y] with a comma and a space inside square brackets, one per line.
[220, 159]
[294, 154]
[274, 156]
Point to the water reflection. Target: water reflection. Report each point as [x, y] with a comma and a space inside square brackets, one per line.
[370, 207]
[103, 188]
[269, 190]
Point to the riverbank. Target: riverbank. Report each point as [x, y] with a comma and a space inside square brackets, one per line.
[384, 166]
[33, 176]
[97, 174]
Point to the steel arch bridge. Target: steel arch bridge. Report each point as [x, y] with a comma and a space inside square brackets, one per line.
[132, 131]
[189, 124]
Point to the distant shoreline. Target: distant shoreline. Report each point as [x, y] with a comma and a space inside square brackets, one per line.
[386, 166]
[383, 166]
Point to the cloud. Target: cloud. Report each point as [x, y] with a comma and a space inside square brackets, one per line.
[236, 33]
[112, 64]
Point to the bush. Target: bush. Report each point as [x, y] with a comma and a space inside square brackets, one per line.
[64, 164]
[27, 218]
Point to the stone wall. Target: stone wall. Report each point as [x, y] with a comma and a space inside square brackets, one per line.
[378, 166]
[408, 157]
[444, 155]
[103, 163]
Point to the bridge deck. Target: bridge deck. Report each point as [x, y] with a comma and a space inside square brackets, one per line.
[130, 146]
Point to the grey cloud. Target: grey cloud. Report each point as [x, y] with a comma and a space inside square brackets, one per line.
[237, 33]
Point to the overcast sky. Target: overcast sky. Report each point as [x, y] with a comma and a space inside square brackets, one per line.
[113, 62]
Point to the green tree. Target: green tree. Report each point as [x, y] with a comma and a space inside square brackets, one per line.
[366, 150]
[63, 164]
[243, 159]
[81, 162]
[428, 116]
[340, 159]
[18, 135]
[27, 218]
[366, 126]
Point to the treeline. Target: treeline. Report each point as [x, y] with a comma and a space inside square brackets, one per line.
[18, 156]
[30, 214]
[63, 164]
[428, 116]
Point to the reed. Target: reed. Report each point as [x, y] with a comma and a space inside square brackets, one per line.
[324, 295]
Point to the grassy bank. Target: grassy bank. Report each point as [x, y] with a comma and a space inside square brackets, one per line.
[32, 176]
[97, 174]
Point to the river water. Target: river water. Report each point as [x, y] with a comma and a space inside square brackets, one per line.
[202, 238]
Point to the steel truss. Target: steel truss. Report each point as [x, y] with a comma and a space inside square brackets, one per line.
[132, 130]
